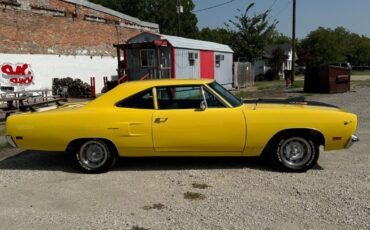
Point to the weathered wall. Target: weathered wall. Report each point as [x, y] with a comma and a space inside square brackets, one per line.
[43, 68]
[183, 68]
[59, 27]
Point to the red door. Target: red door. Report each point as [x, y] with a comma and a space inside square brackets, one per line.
[207, 64]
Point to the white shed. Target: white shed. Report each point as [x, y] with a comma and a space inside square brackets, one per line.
[163, 56]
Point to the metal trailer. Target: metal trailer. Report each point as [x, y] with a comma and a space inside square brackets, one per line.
[154, 56]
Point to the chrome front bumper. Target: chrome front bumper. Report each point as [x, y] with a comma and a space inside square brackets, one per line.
[353, 139]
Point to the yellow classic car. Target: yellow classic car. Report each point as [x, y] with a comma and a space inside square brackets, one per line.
[184, 118]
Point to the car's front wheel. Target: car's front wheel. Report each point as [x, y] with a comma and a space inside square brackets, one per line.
[95, 156]
[295, 153]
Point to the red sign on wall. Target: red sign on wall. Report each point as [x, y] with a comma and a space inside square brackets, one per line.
[19, 74]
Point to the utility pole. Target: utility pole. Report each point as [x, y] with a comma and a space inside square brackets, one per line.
[179, 10]
[293, 41]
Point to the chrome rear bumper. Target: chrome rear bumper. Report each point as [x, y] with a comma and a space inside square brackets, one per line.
[11, 141]
[353, 139]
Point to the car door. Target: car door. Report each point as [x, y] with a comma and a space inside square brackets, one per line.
[130, 124]
[180, 125]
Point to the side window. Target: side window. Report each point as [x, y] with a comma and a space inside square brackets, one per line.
[142, 100]
[182, 97]
[185, 97]
[213, 101]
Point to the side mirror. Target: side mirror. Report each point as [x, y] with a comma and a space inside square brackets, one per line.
[203, 105]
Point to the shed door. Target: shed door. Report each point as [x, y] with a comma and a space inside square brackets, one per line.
[207, 64]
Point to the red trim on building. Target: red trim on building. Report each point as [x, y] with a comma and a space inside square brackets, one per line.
[173, 62]
[92, 87]
[207, 64]
[160, 42]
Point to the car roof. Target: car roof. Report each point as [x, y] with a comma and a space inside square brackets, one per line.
[163, 82]
[129, 88]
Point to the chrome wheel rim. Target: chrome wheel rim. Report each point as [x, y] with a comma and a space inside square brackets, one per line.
[93, 154]
[295, 152]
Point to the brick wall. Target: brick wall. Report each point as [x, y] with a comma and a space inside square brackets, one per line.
[58, 27]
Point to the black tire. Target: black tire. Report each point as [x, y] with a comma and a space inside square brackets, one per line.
[95, 156]
[294, 153]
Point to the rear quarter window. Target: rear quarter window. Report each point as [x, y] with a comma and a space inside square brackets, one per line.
[141, 100]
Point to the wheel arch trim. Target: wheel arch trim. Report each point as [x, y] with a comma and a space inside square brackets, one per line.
[71, 144]
[318, 135]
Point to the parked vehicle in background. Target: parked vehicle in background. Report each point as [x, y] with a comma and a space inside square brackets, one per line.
[185, 118]
[300, 70]
[346, 65]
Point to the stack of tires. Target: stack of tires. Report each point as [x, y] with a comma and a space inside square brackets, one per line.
[76, 87]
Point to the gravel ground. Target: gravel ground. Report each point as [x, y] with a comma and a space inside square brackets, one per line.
[41, 190]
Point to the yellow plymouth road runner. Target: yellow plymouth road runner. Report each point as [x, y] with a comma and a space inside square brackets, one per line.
[185, 118]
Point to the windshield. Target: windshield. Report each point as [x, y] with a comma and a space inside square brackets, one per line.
[229, 97]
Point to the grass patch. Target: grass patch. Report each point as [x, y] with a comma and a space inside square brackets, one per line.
[277, 85]
[200, 186]
[357, 72]
[360, 83]
[259, 94]
[270, 85]
[157, 206]
[298, 84]
[194, 196]
[268, 89]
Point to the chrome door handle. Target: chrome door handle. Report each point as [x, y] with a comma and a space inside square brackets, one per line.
[160, 120]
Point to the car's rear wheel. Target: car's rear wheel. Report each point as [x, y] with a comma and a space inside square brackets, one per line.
[295, 153]
[95, 156]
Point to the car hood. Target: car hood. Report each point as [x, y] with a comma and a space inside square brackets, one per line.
[286, 103]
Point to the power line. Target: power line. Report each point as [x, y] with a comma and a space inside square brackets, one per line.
[272, 5]
[286, 6]
[215, 6]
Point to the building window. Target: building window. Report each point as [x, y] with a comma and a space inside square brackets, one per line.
[218, 60]
[192, 57]
[147, 58]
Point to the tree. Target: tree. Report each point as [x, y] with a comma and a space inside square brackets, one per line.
[321, 46]
[251, 33]
[359, 51]
[276, 61]
[326, 46]
[279, 38]
[162, 12]
[219, 35]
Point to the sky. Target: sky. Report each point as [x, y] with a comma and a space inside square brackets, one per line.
[351, 14]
